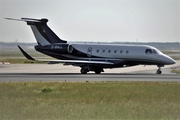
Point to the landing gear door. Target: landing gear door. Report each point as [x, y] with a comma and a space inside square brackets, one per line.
[89, 52]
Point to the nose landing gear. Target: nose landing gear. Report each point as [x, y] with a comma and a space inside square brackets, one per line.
[159, 69]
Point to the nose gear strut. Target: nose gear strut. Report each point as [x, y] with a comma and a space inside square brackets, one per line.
[159, 69]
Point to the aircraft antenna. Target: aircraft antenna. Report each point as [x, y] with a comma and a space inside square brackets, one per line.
[137, 41]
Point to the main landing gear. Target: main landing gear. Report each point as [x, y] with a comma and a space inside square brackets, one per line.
[96, 70]
[159, 69]
[84, 71]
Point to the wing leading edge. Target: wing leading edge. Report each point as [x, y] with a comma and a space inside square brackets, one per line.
[65, 61]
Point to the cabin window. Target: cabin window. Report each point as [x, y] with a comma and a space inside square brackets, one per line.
[148, 51]
[97, 51]
[109, 51]
[127, 52]
[103, 51]
[115, 51]
[121, 51]
[89, 52]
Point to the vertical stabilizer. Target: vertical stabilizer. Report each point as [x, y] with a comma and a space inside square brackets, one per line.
[43, 34]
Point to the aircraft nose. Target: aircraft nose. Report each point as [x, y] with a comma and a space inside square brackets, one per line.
[166, 59]
[169, 60]
[172, 61]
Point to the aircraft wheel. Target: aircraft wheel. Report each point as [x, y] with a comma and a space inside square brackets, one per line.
[159, 71]
[98, 71]
[83, 71]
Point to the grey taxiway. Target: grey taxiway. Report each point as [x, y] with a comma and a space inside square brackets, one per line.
[77, 77]
[58, 72]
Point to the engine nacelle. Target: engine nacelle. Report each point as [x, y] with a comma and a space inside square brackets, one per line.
[70, 48]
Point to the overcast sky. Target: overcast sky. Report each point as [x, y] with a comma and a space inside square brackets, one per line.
[94, 20]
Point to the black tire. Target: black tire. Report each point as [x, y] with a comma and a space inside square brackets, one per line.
[83, 71]
[98, 71]
[159, 71]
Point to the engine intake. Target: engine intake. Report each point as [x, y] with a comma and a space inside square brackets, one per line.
[70, 48]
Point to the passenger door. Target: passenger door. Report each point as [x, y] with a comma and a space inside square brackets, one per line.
[89, 52]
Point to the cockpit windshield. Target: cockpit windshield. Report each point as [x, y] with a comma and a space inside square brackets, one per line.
[152, 51]
[148, 51]
[156, 51]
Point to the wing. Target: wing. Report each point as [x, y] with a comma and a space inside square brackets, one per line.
[65, 61]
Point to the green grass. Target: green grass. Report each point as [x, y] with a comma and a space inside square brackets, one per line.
[16, 57]
[97, 100]
[171, 52]
[20, 61]
[16, 60]
[175, 71]
[17, 53]
[175, 57]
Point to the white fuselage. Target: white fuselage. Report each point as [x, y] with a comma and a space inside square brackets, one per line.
[124, 52]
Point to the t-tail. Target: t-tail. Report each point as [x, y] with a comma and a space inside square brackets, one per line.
[43, 34]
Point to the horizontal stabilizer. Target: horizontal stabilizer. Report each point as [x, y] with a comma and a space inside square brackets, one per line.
[25, 19]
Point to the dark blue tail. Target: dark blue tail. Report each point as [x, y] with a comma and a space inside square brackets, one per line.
[43, 34]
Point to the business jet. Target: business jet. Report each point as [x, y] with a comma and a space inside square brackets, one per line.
[91, 57]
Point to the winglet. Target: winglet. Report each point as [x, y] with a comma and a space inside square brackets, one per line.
[25, 54]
